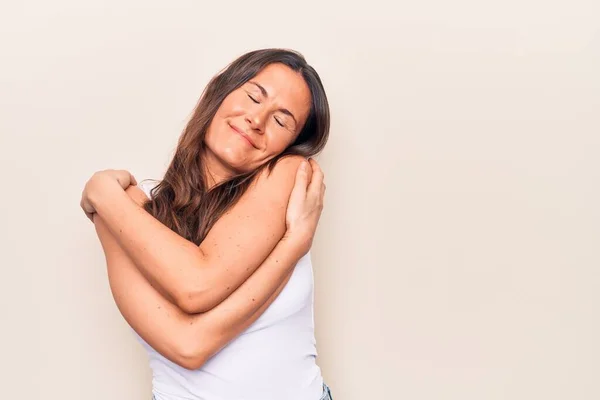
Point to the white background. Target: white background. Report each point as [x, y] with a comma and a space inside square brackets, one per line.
[458, 254]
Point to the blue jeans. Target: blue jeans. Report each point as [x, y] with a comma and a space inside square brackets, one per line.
[326, 393]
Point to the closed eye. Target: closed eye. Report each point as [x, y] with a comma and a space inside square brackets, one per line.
[253, 99]
[279, 122]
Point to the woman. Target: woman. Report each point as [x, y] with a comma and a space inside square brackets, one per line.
[211, 266]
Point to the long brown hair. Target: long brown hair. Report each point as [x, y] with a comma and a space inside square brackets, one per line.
[181, 201]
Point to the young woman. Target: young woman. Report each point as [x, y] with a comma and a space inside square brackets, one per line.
[211, 266]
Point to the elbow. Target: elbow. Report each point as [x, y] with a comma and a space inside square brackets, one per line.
[195, 300]
[190, 358]
[192, 353]
[190, 361]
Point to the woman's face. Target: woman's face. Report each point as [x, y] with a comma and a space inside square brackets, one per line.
[257, 121]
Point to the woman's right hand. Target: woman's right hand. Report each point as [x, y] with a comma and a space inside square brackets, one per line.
[305, 205]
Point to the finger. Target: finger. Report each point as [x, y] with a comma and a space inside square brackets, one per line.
[299, 191]
[123, 177]
[309, 171]
[317, 177]
[132, 179]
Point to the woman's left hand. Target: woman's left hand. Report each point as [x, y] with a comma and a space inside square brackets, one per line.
[95, 184]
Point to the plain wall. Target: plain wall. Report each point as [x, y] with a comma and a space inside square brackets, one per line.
[458, 254]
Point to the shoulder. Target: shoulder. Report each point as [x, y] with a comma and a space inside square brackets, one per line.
[278, 182]
[284, 169]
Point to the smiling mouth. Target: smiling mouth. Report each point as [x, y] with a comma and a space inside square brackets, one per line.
[242, 134]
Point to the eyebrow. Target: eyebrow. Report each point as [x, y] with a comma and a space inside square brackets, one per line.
[266, 94]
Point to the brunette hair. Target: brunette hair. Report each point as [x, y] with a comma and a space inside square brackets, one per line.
[181, 199]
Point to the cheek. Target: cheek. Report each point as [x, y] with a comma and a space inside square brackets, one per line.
[210, 132]
[231, 104]
[279, 142]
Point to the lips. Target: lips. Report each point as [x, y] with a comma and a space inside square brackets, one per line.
[243, 134]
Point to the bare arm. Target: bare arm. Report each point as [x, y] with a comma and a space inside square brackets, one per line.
[190, 340]
[199, 278]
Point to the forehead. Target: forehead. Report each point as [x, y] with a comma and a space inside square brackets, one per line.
[286, 87]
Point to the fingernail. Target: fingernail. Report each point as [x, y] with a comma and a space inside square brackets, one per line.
[304, 165]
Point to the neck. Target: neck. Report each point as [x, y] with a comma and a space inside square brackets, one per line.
[214, 170]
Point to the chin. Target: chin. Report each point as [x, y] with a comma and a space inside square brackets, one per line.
[235, 161]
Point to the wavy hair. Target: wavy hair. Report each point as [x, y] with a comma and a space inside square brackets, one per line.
[182, 200]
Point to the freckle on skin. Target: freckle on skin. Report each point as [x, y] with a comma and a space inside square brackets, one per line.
[252, 299]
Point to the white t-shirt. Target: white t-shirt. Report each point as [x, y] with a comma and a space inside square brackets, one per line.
[274, 359]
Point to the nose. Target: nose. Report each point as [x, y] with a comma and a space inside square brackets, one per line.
[256, 120]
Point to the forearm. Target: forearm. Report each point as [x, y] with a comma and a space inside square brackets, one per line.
[174, 265]
[238, 311]
[189, 340]
[200, 275]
